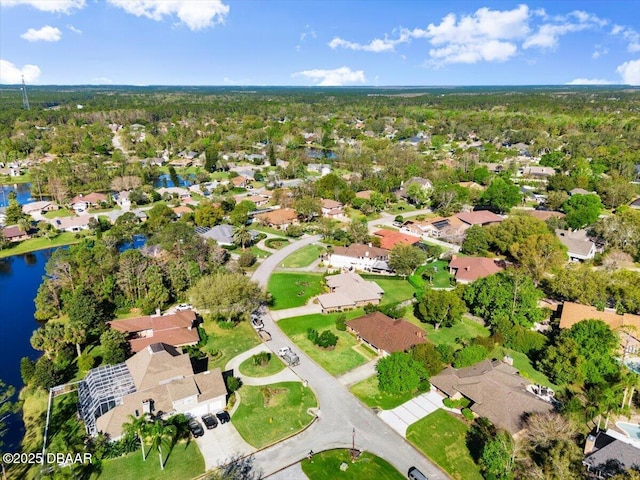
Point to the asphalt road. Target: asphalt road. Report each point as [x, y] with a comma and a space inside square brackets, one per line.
[340, 413]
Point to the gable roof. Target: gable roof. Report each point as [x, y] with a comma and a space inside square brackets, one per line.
[609, 449]
[92, 197]
[280, 216]
[327, 203]
[360, 250]
[577, 242]
[386, 333]
[13, 232]
[573, 313]
[497, 391]
[479, 217]
[389, 238]
[469, 269]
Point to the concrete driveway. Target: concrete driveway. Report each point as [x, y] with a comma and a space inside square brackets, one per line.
[222, 443]
[410, 412]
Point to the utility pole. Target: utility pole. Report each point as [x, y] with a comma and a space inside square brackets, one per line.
[25, 99]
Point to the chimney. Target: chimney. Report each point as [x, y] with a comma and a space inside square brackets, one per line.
[453, 257]
[590, 445]
[158, 314]
[508, 360]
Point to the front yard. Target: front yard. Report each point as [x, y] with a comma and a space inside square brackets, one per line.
[42, 243]
[223, 344]
[442, 438]
[396, 289]
[273, 412]
[250, 369]
[291, 290]
[326, 466]
[337, 361]
[368, 392]
[303, 257]
[432, 275]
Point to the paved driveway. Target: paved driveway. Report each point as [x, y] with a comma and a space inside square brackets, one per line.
[410, 412]
[222, 443]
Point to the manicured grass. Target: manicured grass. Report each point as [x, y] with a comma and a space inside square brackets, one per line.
[249, 369]
[441, 437]
[223, 345]
[259, 253]
[184, 462]
[395, 289]
[270, 413]
[367, 390]
[303, 257]
[440, 279]
[265, 229]
[276, 243]
[293, 289]
[337, 361]
[40, 243]
[34, 413]
[523, 364]
[326, 466]
[63, 212]
[465, 329]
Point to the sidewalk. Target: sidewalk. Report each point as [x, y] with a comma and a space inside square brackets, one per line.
[308, 309]
[359, 373]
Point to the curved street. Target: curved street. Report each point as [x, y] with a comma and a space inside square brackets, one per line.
[340, 413]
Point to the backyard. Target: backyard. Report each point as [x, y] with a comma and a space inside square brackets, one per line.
[303, 257]
[291, 290]
[273, 412]
[225, 344]
[442, 438]
[432, 275]
[184, 461]
[396, 289]
[368, 392]
[42, 243]
[326, 466]
[337, 361]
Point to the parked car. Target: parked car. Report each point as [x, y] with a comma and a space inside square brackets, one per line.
[196, 428]
[415, 474]
[184, 306]
[223, 417]
[289, 356]
[256, 322]
[209, 421]
[283, 350]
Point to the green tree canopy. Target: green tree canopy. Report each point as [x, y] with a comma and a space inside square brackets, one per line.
[440, 307]
[399, 373]
[501, 194]
[582, 210]
[404, 259]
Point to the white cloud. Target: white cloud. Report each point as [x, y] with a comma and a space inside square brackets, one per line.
[9, 73]
[195, 14]
[590, 81]
[45, 34]
[376, 45]
[630, 72]
[336, 77]
[599, 51]
[548, 34]
[74, 29]
[102, 81]
[54, 6]
[492, 51]
[628, 34]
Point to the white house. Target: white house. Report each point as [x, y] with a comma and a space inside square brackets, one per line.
[578, 244]
[360, 257]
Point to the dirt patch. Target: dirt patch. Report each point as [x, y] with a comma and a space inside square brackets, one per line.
[271, 397]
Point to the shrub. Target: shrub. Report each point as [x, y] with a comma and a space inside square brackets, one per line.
[468, 414]
[399, 218]
[327, 339]
[27, 367]
[233, 384]
[312, 334]
[446, 353]
[341, 324]
[469, 356]
[247, 259]
[224, 325]
[487, 342]
[275, 242]
[525, 340]
[261, 359]
[86, 362]
[294, 231]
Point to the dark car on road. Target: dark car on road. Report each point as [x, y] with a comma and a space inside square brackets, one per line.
[209, 421]
[223, 417]
[195, 428]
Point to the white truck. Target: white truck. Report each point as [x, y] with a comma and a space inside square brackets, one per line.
[289, 356]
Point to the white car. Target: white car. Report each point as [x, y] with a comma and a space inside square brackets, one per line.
[184, 306]
[283, 351]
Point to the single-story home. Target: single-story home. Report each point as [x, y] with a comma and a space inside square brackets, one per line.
[71, 224]
[401, 193]
[578, 244]
[258, 200]
[479, 217]
[390, 238]
[39, 207]
[174, 191]
[14, 234]
[537, 172]
[240, 181]
[222, 234]
[364, 194]
[360, 257]
[177, 329]
[349, 290]
[181, 210]
[496, 390]
[437, 227]
[280, 218]
[384, 334]
[91, 200]
[605, 455]
[469, 269]
[158, 380]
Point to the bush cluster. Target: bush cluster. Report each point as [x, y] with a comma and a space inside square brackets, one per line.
[326, 339]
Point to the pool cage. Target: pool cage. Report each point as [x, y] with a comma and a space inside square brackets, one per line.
[101, 390]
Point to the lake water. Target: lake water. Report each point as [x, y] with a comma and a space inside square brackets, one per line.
[20, 277]
[22, 190]
[317, 153]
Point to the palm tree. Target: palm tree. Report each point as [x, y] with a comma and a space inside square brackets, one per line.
[159, 432]
[139, 427]
[74, 333]
[242, 235]
[24, 225]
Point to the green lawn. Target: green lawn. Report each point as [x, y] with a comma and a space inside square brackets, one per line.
[276, 243]
[265, 229]
[326, 466]
[259, 253]
[368, 392]
[440, 279]
[223, 345]
[293, 289]
[337, 361]
[40, 243]
[273, 412]
[272, 367]
[184, 462]
[303, 257]
[465, 329]
[395, 289]
[63, 212]
[523, 364]
[441, 437]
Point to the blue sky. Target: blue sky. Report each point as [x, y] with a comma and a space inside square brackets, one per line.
[320, 42]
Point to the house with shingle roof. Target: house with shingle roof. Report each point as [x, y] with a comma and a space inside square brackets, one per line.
[71, 224]
[39, 207]
[579, 247]
[469, 269]
[349, 290]
[479, 217]
[281, 218]
[360, 257]
[605, 455]
[390, 238]
[177, 329]
[384, 334]
[437, 227]
[14, 234]
[496, 390]
[158, 380]
[332, 209]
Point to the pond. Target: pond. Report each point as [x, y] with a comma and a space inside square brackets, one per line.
[318, 153]
[164, 180]
[22, 191]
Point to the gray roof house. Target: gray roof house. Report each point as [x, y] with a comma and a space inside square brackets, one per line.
[349, 290]
[222, 234]
[578, 244]
[605, 456]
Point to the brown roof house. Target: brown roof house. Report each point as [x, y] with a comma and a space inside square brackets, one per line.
[469, 269]
[390, 238]
[176, 329]
[359, 256]
[385, 334]
[332, 209]
[83, 202]
[627, 325]
[157, 380]
[280, 218]
[349, 290]
[14, 234]
[479, 217]
[437, 227]
[496, 391]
